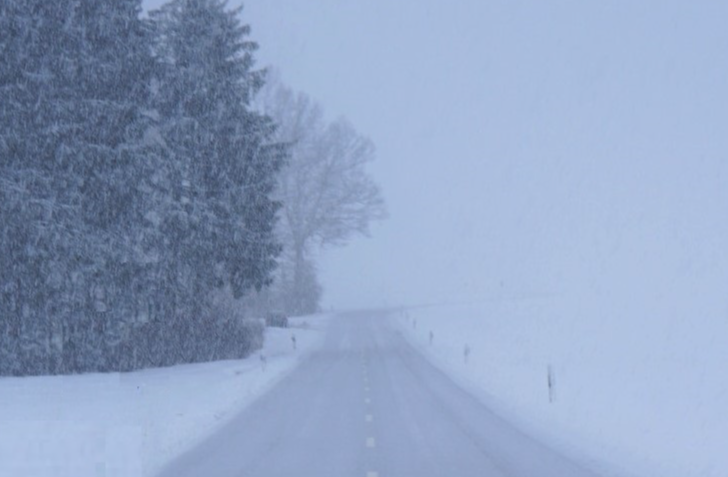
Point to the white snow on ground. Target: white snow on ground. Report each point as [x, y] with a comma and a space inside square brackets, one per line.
[641, 397]
[102, 425]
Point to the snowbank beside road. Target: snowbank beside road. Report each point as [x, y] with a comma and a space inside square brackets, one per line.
[133, 423]
[630, 397]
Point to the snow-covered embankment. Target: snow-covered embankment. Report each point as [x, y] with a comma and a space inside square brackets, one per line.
[131, 424]
[638, 397]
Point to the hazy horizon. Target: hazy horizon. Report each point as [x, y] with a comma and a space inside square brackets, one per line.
[523, 147]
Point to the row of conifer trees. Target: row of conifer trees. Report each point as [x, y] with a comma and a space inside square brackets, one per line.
[135, 185]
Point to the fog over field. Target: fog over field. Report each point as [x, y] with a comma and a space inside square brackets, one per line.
[524, 148]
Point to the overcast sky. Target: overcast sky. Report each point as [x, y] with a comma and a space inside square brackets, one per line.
[524, 147]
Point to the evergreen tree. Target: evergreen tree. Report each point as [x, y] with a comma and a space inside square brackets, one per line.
[134, 181]
[222, 235]
[72, 162]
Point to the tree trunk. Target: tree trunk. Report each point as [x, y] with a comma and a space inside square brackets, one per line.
[298, 279]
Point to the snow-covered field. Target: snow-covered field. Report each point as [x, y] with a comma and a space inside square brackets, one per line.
[641, 397]
[131, 424]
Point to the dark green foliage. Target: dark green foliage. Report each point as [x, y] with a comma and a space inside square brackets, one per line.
[223, 148]
[134, 181]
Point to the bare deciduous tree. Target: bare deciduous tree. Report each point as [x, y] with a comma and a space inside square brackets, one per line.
[326, 192]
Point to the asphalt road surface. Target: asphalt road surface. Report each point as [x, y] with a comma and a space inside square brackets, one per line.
[368, 405]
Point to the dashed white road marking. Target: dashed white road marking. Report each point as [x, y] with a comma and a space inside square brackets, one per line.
[367, 400]
[369, 418]
[371, 442]
[372, 474]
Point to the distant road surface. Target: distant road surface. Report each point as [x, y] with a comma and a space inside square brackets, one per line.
[368, 405]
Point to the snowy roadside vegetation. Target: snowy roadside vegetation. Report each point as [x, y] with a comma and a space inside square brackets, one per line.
[626, 400]
[140, 188]
[131, 424]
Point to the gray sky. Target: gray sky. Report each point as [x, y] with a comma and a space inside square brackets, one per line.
[524, 147]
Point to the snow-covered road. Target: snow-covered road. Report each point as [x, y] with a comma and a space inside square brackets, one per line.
[367, 404]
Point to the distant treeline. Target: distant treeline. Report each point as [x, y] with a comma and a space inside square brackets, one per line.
[136, 185]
